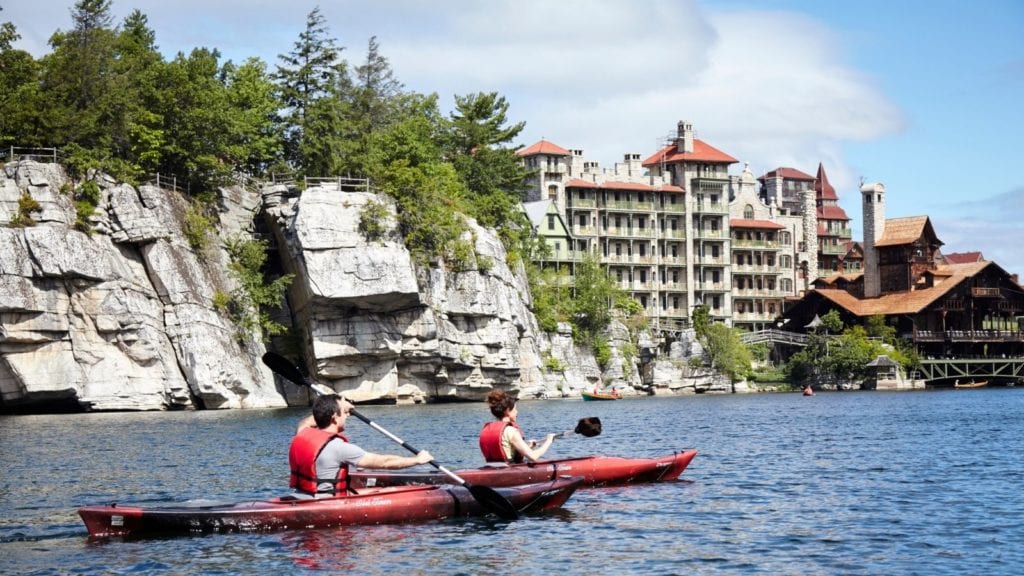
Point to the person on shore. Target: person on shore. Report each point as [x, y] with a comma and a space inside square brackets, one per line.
[502, 440]
[320, 456]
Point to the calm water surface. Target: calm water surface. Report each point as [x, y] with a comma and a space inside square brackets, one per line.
[923, 482]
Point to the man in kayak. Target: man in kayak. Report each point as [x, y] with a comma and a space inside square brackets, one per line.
[320, 456]
[502, 440]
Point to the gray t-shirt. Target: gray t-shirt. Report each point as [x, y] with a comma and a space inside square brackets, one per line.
[332, 456]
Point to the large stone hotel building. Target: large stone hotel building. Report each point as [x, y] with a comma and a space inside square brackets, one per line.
[676, 230]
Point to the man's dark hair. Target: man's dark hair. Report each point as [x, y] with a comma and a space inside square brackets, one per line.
[325, 408]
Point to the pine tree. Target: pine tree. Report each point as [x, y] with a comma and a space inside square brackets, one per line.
[307, 75]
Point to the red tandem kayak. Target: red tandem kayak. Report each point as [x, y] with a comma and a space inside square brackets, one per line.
[369, 506]
[594, 471]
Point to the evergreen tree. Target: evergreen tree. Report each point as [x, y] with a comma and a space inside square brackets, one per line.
[478, 145]
[307, 75]
[374, 102]
[375, 91]
[76, 73]
[137, 134]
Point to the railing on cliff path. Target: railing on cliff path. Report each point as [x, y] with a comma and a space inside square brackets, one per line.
[13, 153]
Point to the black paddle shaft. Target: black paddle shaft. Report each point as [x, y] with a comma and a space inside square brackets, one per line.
[488, 497]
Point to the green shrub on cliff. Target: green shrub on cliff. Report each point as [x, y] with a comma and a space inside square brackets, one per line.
[249, 303]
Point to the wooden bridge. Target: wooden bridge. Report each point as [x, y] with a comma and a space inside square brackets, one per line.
[775, 337]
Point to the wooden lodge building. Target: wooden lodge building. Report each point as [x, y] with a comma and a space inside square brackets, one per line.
[948, 307]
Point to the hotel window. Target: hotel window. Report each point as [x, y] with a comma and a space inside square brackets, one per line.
[551, 221]
[558, 247]
[643, 276]
[748, 212]
[643, 250]
[552, 192]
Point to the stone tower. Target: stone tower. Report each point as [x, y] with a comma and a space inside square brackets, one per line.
[810, 225]
[873, 211]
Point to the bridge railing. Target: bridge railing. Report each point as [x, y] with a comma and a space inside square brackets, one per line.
[779, 336]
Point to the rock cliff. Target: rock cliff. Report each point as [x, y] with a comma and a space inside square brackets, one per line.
[119, 318]
[382, 328]
[122, 317]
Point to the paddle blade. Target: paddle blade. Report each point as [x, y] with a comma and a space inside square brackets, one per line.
[496, 503]
[283, 367]
[588, 427]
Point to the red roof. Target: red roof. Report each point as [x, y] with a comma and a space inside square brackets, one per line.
[832, 213]
[702, 152]
[577, 183]
[543, 147]
[788, 174]
[762, 224]
[822, 187]
[963, 257]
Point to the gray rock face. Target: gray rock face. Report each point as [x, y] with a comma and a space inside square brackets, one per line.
[118, 319]
[380, 327]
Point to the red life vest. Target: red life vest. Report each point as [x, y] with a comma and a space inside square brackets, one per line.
[302, 455]
[490, 442]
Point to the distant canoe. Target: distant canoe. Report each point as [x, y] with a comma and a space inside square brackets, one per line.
[599, 396]
[980, 384]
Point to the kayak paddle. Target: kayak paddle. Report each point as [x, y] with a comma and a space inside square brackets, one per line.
[588, 427]
[488, 497]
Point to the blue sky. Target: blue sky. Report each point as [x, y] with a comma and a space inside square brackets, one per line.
[926, 97]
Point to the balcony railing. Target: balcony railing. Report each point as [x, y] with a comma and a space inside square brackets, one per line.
[710, 208]
[582, 203]
[756, 244]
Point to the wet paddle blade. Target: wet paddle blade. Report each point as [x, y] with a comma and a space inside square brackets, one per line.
[589, 427]
[490, 499]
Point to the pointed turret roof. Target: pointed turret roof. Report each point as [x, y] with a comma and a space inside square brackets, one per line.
[822, 187]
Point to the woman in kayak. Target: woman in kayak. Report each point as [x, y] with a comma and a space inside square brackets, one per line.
[320, 457]
[502, 440]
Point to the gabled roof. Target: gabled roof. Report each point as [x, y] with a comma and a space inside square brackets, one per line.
[543, 147]
[761, 224]
[702, 152]
[832, 213]
[963, 257]
[905, 302]
[822, 187]
[787, 174]
[578, 183]
[901, 231]
[536, 211]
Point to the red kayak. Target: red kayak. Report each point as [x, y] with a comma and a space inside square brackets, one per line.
[369, 506]
[594, 471]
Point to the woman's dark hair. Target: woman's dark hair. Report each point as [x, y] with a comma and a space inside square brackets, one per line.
[500, 403]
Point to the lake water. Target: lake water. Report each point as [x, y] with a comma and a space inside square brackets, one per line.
[924, 482]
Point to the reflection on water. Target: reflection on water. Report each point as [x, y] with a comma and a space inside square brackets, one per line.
[865, 482]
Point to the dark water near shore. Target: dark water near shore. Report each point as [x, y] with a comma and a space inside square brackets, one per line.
[925, 482]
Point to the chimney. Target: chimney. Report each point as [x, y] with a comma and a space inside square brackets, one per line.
[684, 138]
[873, 209]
